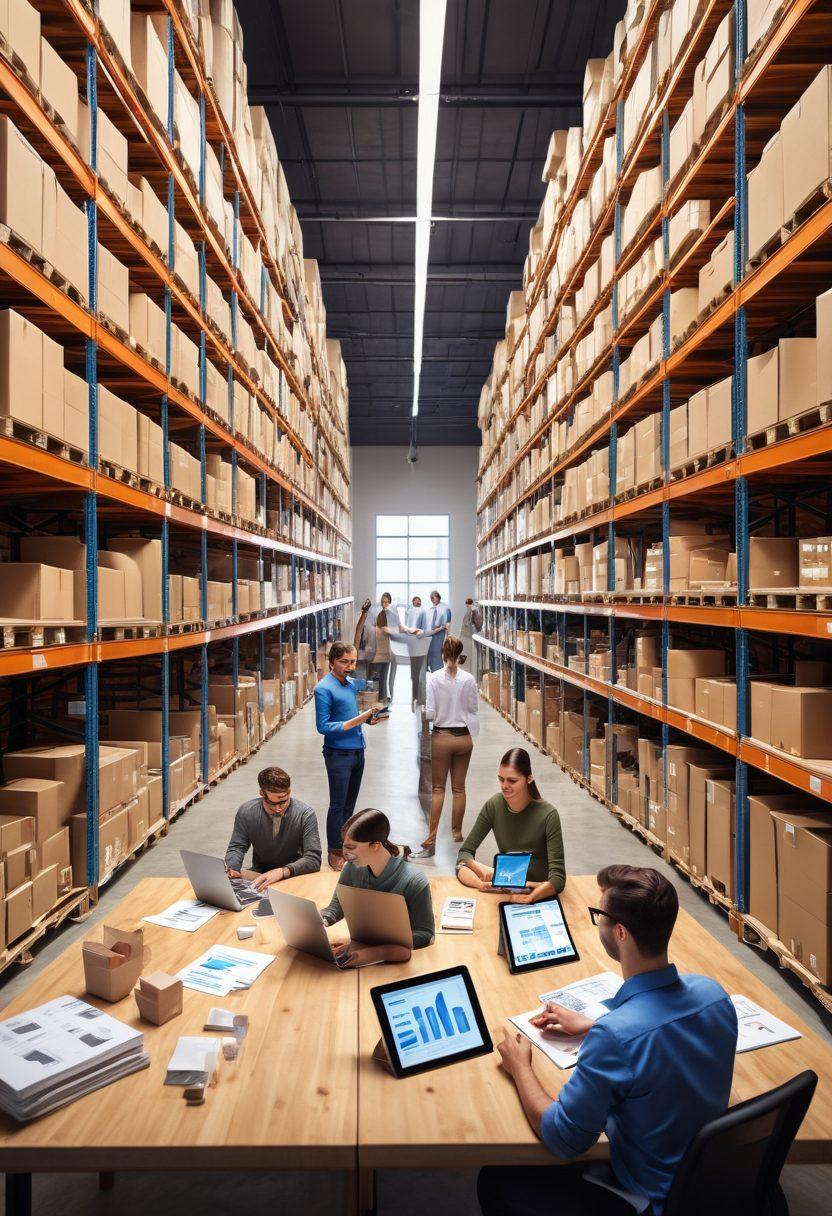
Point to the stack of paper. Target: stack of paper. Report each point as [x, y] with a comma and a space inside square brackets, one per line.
[193, 1062]
[222, 969]
[60, 1051]
[758, 1028]
[458, 915]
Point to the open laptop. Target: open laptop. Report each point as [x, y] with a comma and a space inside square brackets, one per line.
[211, 883]
[380, 919]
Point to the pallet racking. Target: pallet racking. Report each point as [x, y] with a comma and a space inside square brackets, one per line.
[302, 511]
[749, 485]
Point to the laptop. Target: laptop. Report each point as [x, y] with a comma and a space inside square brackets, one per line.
[212, 885]
[301, 925]
[376, 918]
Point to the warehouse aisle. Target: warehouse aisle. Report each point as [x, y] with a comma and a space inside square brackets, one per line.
[593, 838]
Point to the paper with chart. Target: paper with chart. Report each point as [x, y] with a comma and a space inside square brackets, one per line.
[222, 969]
[186, 914]
[582, 996]
[757, 1028]
[63, 1049]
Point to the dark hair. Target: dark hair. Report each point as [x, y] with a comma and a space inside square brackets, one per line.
[274, 779]
[370, 827]
[338, 649]
[518, 757]
[452, 650]
[644, 902]
[435, 593]
[385, 595]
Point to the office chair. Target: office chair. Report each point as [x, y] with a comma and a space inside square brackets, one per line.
[733, 1164]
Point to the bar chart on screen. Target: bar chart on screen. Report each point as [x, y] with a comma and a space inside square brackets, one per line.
[432, 1020]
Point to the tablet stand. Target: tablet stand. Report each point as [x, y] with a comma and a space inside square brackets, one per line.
[381, 1057]
[501, 943]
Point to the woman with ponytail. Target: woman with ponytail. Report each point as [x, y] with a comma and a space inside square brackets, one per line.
[374, 863]
[451, 706]
[521, 822]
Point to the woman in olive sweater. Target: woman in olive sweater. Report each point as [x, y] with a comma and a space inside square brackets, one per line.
[374, 863]
[521, 822]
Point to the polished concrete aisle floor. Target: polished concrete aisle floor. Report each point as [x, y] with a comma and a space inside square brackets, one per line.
[592, 837]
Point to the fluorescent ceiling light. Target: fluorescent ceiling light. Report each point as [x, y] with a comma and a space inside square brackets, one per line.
[431, 39]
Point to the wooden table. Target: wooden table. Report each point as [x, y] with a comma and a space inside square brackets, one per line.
[290, 1102]
[469, 1115]
[305, 1093]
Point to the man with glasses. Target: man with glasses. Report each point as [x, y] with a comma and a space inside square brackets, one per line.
[650, 1073]
[281, 831]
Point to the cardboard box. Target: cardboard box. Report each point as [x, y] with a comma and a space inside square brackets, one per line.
[801, 721]
[804, 871]
[700, 774]
[717, 275]
[59, 86]
[113, 834]
[807, 146]
[18, 912]
[126, 586]
[772, 562]
[719, 414]
[44, 892]
[76, 428]
[815, 562]
[823, 347]
[150, 63]
[159, 997]
[54, 851]
[765, 197]
[148, 556]
[692, 663]
[112, 152]
[30, 591]
[38, 798]
[15, 830]
[21, 185]
[151, 462]
[113, 289]
[138, 823]
[720, 835]
[19, 865]
[762, 897]
[111, 967]
[21, 369]
[20, 25]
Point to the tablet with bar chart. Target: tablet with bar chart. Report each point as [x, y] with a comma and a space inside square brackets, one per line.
[431, 1020]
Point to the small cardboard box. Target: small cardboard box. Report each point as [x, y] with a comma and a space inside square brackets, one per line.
[19, 865]
[15, 830]
[159, 997]
[37, 797]
[30, 591]
[772, 562]
[112, 967]
[18, 911]
[699, 776]
[54, 851]
[804, 869]
[801, 721]
[720, 833]
[44, 892]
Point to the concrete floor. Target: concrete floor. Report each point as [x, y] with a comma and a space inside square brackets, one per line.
[593, 838]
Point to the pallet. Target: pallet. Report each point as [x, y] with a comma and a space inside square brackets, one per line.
[125, 476]
[152, 487]
[176, 628]
[809, 420]
[13, 428]
[75, 901]
[712, 599]
[636, 597]
[704, 884]
[644, 487]
[707, 460]
[753, 933]
[774, 597]
[820, 195]
[23, 635]
[815, 601]
[224, 769]
[123, 633]
[196, 795]
[184, 500]
[112, 328]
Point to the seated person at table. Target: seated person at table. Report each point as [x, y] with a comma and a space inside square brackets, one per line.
[650, 1074]
[281, 830]
[521, 822]
[374, 864]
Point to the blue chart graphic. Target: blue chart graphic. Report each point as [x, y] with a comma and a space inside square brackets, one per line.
[428, 1022]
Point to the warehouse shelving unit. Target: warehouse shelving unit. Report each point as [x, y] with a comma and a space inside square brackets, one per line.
[789, 468]
[38, 470]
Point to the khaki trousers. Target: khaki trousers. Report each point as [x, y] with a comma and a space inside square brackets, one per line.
[448, 754]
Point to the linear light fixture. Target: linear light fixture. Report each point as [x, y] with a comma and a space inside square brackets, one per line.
[431, 39]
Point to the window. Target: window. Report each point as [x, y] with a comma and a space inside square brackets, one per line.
[413, 557]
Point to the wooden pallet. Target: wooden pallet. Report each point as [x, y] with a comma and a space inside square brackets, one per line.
[75, 902]
[152, 487]
[815, 601]
[720, 599]
[753, 933]
[126, 476]
[131, 632]
[820, 195]
[636, 597]
[175, 628]
[697, 464]
[23, 635]
[774, 597]
[702, 883]
[798, 424]
[644, 487]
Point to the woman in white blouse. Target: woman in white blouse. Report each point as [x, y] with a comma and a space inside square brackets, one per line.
[452, 706]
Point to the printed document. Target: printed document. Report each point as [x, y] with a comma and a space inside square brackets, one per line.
[758, 1028]
[458, 915]
[582, 996]
[186, 914]
[222, 969]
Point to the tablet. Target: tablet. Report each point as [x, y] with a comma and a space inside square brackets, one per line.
[510, 870]
[430, 1021]
[536, 935]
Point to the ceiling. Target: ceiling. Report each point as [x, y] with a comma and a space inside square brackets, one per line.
[337, 78]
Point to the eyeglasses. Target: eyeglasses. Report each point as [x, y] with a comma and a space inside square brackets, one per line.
[594, 913]
[282, 800]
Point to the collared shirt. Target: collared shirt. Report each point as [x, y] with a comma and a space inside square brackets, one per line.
[650, 1074]
[414, 618]
[335, 704]
[452, 700]
[290, 840]
[438, 614]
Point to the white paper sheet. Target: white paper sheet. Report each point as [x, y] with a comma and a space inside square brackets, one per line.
[458, 915]
[586, 996]
[223, 969]
[757, 1028]
[186, 914]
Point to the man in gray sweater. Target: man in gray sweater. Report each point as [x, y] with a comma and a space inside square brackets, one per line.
[281, 831]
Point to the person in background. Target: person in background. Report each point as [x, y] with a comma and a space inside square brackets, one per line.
[414, 623]
[521, 822]
[281, 831]
[471, 624]
[372, 635]
[375, 864]
[437, 625]
[650, 1073]
[338, 719]
[452, 706]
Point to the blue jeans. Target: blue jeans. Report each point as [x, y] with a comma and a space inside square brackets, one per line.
[344, 768]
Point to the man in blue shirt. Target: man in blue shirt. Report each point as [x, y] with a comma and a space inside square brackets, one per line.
[337, 718]
[650, 1073]
[438, 620]
[414, 624]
